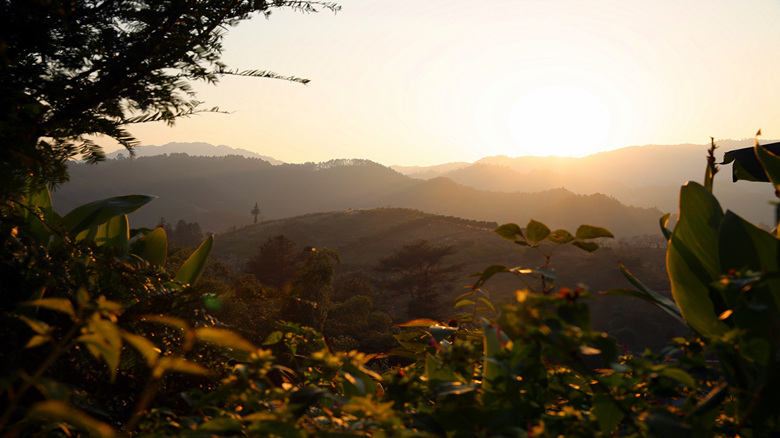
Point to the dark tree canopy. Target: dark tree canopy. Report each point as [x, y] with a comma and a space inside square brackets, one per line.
[418, 269]
[277, 262]
[71, 69]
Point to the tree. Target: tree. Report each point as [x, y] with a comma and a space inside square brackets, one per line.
[186, 233]
[255, 212]
[417, 269]
[308, 299]
[277, 262]
[72, 69]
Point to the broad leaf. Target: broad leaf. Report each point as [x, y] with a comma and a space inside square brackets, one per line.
[647, 294]
[770, 162]
[96, 213]
[664, 222]
[743, 245]
[144, 346]
[607, 412]
[60, 411]
[692, 257]
[224, 338]
[115, 234]
[192, 268]
[560, 236]
[422, 322]
[536, 232]
[510, 232]
[57, 304]
[154, 247]
[591, 232]
[587, 246]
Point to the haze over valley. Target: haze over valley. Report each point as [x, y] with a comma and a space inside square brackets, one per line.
[625, 190]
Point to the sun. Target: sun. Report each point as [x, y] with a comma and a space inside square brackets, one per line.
[559, 120]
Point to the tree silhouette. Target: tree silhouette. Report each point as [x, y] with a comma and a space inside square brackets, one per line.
[418, 269]
[277, 262]
[72, 70]
[255, 212]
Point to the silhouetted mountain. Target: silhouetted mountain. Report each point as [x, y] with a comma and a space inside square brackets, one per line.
[194, 149]
[219, 192]
[643, 176]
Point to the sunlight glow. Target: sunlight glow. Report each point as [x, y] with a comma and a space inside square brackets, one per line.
[559, 120]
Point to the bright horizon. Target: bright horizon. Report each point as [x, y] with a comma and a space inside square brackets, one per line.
[423, 83]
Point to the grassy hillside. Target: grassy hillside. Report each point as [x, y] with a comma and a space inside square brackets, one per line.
[363, 237]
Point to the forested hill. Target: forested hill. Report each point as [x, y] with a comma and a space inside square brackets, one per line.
[219, 193]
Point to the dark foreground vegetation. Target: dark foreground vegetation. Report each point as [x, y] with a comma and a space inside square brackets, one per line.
[107, 331]
[116, 333]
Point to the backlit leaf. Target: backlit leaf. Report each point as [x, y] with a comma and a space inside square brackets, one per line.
[591, 232]
[96, 213]
[192, 268]
[60, 411]
[511, 232]
[224, 338]
[536, 231]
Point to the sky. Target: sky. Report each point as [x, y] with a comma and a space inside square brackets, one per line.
[410, 82]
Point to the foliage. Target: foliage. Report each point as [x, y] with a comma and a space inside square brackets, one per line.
[418, 269]
[277, 262]
[99, 350]
[72, 69]
[538, 236]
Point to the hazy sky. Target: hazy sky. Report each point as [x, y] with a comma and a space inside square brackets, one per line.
[432, 81]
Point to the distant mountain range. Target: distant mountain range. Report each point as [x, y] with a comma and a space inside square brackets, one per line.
[195, 149]
[626, 190]
[643, 176]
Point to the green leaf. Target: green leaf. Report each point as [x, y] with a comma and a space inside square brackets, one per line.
[170, 321]
[510, 232]
[115, 234]
[679, 375]
[560, 236]
[464, 303]
[224, 338]
[462, 296]
[60, 411]
[154, 247]
[487, 273]
[192, 268]
[36, 205]
[144, 346]
[647, 294]
[536, 232]
[771, 164]
[96, 213]
[273, 338]
[104, 340]
[487, 302]
[692, 257]
[607, 412]
[591, 232]
[422, 322]
[586, 246]
[663, 222]
[57, 304]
